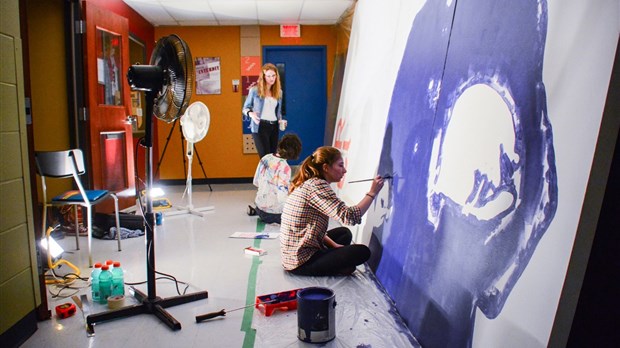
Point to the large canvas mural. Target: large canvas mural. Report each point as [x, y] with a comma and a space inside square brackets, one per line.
[471, 143]
[472, 148]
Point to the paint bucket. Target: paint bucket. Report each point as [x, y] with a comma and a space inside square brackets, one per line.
[316, 317]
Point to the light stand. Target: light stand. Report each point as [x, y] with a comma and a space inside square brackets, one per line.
[149, 79]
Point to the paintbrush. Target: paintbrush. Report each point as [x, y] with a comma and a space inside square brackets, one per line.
[387, 176]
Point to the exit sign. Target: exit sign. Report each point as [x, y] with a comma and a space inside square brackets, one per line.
[290, 30]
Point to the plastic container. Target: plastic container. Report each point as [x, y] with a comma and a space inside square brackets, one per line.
[105, 284]
[118, 280]
[94, 282]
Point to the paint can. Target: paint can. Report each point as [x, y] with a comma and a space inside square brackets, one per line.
[316, 316]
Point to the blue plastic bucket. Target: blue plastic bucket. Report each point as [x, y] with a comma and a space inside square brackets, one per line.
[316, 317]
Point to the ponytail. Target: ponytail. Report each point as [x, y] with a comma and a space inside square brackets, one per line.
[312, 166]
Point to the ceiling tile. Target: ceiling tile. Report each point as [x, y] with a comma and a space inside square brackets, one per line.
[190, 10]
[240, 12]
[324, 9]
[150, 10]
[278, 11]
[227, 10]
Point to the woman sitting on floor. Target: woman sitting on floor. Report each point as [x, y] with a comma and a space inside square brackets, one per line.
[272, 177]
[307, 247]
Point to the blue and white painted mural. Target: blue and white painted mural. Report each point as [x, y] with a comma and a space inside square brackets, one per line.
[489, 174]
[472, 148]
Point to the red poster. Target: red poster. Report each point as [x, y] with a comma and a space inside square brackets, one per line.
[250, 65]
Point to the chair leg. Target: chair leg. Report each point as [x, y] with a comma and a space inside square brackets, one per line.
[90, 235]
[118, 221]
[43, 228]
[77, 227]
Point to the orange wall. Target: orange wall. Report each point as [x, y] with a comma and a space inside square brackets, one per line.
[48, 86]
[48, 72]
[221, 151]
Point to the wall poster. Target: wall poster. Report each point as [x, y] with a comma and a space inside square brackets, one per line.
[208, 75]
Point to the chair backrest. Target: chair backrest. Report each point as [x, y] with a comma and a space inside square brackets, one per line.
[60, 164]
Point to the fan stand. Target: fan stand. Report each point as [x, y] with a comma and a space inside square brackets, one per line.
[149, 303]
[189, 209]
[163, 153]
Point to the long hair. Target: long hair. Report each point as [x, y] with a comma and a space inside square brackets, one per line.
[312, 166]
[276, 88]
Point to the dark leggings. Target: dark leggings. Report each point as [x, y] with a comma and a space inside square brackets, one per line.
[268, 218]
[339, 261]
[266, 140]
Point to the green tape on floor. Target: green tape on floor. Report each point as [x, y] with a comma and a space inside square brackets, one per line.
[246, 323]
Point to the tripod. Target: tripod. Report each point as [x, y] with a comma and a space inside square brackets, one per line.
[163, 153]
[149, 303]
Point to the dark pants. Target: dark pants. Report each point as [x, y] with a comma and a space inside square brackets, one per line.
[268, 218]
[266, 140]
[339, 261]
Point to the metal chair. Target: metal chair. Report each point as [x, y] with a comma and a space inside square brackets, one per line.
[66, 164]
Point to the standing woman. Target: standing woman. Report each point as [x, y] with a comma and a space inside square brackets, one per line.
[264, 107]
[307, 247]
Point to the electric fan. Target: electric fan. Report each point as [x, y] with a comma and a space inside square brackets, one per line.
[195, 125]
[167, 83]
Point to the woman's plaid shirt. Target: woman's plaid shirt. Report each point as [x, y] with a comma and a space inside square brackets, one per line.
[305, 219]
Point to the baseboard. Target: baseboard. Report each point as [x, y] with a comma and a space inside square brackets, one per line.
[17, 334]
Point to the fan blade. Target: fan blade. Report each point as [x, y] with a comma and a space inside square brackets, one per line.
[173, 56]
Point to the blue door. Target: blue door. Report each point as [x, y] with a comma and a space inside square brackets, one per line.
[304, 83]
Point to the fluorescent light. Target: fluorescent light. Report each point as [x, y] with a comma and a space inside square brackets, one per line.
[55, 248]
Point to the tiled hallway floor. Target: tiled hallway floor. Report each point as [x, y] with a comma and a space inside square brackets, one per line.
[199, 251]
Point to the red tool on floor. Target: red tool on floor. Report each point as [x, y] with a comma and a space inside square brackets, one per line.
[65, 310]
[285, 300]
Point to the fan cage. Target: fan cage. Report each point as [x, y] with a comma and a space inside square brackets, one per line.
[173, 56]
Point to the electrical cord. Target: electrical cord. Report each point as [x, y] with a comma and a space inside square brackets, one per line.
[177, 282]
[69, 284]
[168, 276]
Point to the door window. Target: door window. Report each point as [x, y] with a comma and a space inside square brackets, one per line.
[109, 67]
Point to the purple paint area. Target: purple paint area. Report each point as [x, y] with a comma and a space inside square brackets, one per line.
[314, 294]
[437, 258]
